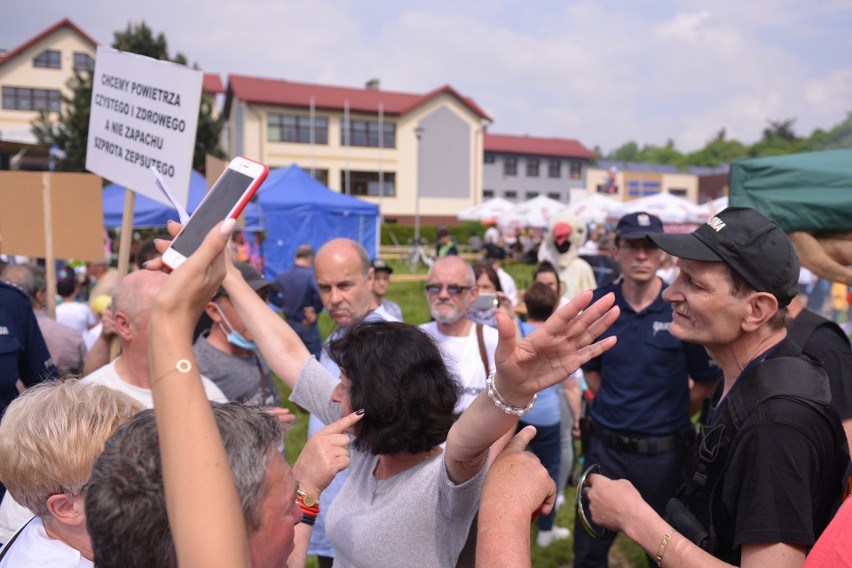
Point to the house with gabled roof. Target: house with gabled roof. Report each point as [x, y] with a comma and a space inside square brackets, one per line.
[414, 154]
[33, 77]
[519, 168]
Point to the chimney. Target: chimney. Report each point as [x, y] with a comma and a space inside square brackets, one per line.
[372, 85]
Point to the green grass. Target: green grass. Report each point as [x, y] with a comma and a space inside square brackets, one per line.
[410, 297]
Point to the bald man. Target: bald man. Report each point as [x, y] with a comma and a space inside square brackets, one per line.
[131, 302]
[344, 277]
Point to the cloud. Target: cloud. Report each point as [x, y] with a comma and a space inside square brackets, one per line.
[601, 73]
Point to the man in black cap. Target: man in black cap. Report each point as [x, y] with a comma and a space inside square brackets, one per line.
[381, 282]
[640, 423]
[227, 354]
[765, 474]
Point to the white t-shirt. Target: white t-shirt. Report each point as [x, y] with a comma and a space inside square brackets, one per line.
[13, 516]
[461, 355]
[34, 549]
[107, 376]
[76, 315]
[508, 285]
[90, 336]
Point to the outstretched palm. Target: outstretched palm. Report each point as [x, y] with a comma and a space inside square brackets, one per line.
[557, 348]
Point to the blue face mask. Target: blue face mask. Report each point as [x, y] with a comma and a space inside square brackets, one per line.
[234, 337]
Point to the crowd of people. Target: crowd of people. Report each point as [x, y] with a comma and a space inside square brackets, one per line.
[171, 453]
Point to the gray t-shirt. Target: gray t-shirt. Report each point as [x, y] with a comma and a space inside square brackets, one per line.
[242, 379]
[416, 518]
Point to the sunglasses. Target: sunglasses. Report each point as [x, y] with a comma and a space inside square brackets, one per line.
[452, 289]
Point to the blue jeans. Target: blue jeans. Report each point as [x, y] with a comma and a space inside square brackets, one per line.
[547, 445]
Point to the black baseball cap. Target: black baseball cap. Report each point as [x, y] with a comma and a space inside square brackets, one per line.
[752, 245]
[254, 279]
[637, 225]
[380, 264]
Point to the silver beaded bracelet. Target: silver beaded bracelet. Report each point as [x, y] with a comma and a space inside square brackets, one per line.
[501, 402]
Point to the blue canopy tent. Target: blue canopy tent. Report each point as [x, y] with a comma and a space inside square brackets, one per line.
[148, 213]
[297, 209]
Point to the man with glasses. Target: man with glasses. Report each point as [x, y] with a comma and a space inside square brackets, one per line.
[640, 415]
[468, 348]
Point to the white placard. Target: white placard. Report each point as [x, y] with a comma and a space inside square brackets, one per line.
[144, 114]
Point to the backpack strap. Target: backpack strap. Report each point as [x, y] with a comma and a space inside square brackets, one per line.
[790, 377]
[8, 545]
[806, 323]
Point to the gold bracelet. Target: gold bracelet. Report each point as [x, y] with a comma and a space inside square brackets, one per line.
[662, 548]
[182, 366]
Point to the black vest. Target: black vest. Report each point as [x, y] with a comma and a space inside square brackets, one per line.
[790, 377]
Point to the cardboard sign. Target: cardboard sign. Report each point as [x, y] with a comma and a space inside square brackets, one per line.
[74, 209]
[144, 113]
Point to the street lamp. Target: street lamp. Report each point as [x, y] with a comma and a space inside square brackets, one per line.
[418, 131]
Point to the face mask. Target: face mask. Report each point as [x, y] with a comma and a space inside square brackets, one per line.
[563, 248]
[234, 337]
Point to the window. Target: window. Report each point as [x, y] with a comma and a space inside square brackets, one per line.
[487, 193]
[555, 196]
[510, 166]
[366, 133]
[554, 168]
[575, 170]
[83, 62]
[489, 158]
[48, 59]
[532, 194]
[296, 128]
[678, 191]
[320, 175]
[22, 98]
[532, 167]
[367, 183]
[510, 194]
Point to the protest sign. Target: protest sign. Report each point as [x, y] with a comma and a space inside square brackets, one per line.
[144, 113]
[51, 215]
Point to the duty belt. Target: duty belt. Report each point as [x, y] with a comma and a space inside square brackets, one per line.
[636, 445]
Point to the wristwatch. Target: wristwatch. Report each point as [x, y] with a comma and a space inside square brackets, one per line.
[307, 499]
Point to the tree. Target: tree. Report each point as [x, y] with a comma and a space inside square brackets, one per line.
[71, 131]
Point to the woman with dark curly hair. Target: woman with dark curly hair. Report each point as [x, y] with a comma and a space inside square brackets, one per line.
[400, 373]
[408, 501]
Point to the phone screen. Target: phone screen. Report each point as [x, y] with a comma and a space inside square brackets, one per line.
[223, 197]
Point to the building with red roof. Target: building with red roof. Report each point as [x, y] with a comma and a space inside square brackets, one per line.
[424, 150]
[519, 168]
[34, 77]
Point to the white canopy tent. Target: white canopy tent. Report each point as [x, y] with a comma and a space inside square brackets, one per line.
[533, 213]
[488, 210]
[593, 209]
[671, 209]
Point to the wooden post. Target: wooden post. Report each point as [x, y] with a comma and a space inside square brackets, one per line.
[49, 260]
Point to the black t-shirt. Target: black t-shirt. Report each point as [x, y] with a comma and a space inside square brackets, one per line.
[829, 344]
[783, 479]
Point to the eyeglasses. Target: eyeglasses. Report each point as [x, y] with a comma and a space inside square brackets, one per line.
[452, 289]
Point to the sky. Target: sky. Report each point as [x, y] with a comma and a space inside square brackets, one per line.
[601, 72]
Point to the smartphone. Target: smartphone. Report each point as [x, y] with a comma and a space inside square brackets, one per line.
[227, 198]
[485, 302]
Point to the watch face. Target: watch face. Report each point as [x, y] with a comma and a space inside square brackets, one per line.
[308, 500]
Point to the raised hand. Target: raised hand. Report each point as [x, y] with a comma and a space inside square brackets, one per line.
[325, 454]
[555, 350]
